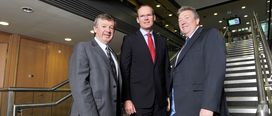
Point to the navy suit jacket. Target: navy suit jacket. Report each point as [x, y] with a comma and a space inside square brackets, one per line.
[198, 76]
[144, 80]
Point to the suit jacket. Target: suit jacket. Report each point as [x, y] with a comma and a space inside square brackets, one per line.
[144, 81]
[198, 76]
[93, 85]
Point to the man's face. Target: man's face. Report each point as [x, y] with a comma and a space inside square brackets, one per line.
[145, 17]
[104, 30]
[187, 22]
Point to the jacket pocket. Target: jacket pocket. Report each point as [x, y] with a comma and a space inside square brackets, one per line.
[198, 87]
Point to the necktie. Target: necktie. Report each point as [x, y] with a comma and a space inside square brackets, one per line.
[113, 68]
[186, 41]
[151, 47]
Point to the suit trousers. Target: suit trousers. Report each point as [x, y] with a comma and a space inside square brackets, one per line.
[156, 110]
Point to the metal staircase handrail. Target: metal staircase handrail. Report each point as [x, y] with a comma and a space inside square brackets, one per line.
[11, 91]
[267, 51]
[22, 89]
[25, 106]
[262, 109]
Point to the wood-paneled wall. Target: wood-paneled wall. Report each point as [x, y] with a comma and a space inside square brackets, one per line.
[31, 62]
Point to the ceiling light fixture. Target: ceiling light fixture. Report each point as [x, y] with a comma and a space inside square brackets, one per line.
[4, 23]
[166, 25]
[215, 13]
[247, 23]
[224, 27]
[243, 7]
[170, 15]
[67, 39]
[245, 15]
[220, 21]
[92, 31]
[268, 1]
[27, 9]
[158, 5]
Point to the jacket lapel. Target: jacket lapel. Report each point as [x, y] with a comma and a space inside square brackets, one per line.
[144, 44]
[98, 49]
[189, 45]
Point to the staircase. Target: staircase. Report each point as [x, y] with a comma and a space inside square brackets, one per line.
[240, 82]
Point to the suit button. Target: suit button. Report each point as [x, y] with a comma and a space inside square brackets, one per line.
[114, 86]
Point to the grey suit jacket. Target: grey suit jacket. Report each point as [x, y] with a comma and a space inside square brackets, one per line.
[94, 88]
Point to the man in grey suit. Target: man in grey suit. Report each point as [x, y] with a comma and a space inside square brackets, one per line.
[199, 71]
[94, 74]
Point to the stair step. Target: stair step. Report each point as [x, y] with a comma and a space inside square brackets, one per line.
[241, 74]
[242, 98]
[245, 110]
[240, 58]
[240, 68]
[239, 81]
[240, 89]
[240, 63]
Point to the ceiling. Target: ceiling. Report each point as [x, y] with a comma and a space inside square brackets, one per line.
[54, 22]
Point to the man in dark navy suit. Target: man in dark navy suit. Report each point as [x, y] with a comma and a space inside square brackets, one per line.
[145, 68]
[199, 71]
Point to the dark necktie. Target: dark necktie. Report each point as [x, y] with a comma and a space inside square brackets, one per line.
[113, 68]
[112, 64]
[151, 47]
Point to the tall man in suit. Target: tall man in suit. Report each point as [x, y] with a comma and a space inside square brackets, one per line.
[199, 71]
[145, 68]
[95, 78]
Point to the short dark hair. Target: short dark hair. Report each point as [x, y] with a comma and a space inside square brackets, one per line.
[144, 5]
[184, 8]
[104, 16]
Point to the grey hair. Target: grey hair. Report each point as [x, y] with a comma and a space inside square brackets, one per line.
[104, 16]
[184, 8]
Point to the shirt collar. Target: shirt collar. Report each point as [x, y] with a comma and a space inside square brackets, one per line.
[102, 45]
[193, 32]
[144, 32]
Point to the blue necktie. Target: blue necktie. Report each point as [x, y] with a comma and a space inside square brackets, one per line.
[173, 111]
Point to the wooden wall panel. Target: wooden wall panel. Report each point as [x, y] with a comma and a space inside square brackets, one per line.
[57, 63]
[10, 67]
[31, 64]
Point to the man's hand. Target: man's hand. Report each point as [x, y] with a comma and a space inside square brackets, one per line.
[205, 112]
[168, 106]
[129, 107]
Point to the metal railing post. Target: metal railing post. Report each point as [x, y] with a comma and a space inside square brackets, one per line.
[10, 103]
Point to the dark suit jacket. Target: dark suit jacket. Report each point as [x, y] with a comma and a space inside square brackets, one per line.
[198, 77]
[93, 86]
[143, 80]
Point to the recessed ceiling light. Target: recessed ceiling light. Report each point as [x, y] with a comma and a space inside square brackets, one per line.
[67, 39]
[247, 23]
[224, 27]
[92, 31]
[268, 1]
[245, 15]
[27, 9]
[170, 15]
[4, 23]
[267, 11]
[215, 13]
[243, 7]
[176, 30]
[233, 30]
[220, 21]
[158, 5]
[166, 25]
